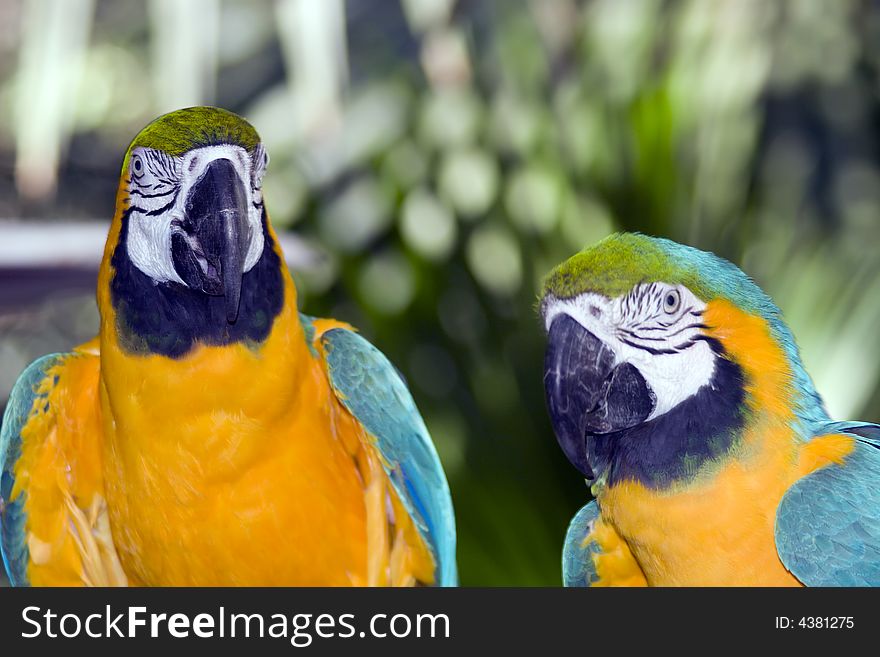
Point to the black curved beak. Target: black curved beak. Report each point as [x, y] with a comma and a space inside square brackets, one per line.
[586, 393]
[209, 245]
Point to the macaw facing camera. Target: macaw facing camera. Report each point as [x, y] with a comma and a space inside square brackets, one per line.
[211, 434]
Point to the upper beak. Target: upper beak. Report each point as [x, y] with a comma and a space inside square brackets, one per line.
[587, 394]
[209, 245]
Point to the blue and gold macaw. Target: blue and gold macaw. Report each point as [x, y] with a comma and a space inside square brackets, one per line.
[676, 389]
[211, 434]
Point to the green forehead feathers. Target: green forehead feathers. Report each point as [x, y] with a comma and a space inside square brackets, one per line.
[177, 132]
[613, 266]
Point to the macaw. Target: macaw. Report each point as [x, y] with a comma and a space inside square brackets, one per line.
[211, 434]
[676, 389]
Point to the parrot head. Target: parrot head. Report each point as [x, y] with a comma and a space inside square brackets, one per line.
[658, 355]
[191, 256]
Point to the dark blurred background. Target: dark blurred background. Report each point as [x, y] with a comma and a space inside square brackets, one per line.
[432, 160]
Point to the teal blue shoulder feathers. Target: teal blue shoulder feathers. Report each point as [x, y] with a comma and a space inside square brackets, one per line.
[13, 539]
[578, 569]
[828, 523]
[372, 390]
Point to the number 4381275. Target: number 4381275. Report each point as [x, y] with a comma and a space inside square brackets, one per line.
[816, 622]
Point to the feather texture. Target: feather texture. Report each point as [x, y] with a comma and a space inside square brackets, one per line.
[372, 390]
[13, 536]
[828, 523]
[577, 552]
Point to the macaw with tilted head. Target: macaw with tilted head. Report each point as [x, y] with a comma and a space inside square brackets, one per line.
[676, 389]
[211, 434]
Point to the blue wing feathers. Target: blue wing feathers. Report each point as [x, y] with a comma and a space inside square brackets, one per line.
[371, 389]
[828, 523]
[577, 560]
[13, 542]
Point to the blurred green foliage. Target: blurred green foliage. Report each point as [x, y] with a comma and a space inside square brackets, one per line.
[462, 149]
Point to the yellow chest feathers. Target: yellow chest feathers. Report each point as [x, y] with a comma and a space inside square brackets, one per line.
[719, 529]
[247, 474]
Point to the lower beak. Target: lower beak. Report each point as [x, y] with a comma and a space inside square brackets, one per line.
[208, 247]
[587, 394]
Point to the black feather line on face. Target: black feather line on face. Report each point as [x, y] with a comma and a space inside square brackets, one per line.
[650, 350]
[165, 208]
[159, 195]
[169, 318]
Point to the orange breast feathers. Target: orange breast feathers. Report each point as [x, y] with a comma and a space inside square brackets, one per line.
[216, 469]
[60, 473]
[246, 463]
[718, 529]
[231, 465]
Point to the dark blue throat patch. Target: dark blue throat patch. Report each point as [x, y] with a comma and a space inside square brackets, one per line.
[169, 318]
[672, 447]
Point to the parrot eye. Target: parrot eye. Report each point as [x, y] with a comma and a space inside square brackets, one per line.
[137, 165]
[671, 301]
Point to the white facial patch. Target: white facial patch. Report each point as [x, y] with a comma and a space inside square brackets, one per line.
[158, 188]
[657, 328]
